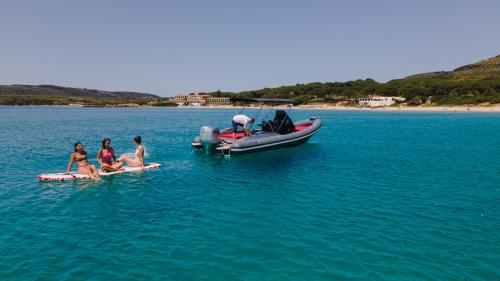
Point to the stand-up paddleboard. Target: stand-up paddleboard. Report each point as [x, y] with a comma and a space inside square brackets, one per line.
[76, 176]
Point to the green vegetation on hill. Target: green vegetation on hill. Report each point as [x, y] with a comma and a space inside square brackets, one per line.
[56, 95]
[470, 84]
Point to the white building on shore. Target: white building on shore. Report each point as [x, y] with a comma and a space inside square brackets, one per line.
[199, 100]
[375, 101]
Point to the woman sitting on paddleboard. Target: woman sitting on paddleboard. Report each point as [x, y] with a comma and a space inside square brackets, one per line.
[107, 159]
[138, 161]
[80, 156]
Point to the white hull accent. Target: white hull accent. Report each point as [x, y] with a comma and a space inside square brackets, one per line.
[76, 176]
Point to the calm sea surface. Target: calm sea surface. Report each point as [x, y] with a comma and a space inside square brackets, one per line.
[372, 196]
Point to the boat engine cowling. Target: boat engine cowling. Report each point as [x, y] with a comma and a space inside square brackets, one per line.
[209, 137]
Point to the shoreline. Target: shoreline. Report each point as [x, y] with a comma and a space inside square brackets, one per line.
[458, 108]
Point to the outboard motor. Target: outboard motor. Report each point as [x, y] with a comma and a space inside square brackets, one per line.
[209, 137]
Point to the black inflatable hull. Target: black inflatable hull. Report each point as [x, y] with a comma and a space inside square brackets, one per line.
[270, 146]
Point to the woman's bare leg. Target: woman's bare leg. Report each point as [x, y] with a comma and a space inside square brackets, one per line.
[112, 168]
[94, 173]
[117, 166]
[106, 168]
[130, 161]
[85, 171]
[125, 159]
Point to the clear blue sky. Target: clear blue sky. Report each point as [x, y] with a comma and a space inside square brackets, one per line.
[172, 47]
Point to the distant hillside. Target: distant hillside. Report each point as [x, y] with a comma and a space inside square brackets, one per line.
[429, 74]
[477, 83]
[482, 69]
[57, 95]
[51, 90]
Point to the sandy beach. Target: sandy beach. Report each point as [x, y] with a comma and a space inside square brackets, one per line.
[427, 108]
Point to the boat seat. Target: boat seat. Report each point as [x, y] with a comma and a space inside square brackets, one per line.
[301, 128]
[281, 124]
[239, 135]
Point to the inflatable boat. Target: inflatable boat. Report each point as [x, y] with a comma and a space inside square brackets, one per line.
[276, 133]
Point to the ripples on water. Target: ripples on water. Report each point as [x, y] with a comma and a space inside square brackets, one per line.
[373, 196]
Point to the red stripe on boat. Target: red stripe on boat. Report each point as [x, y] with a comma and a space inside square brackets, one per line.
[301, 128]
[230, 135]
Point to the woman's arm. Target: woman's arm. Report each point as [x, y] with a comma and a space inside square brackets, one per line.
[114, 156]
[71, 160]
[99, 156]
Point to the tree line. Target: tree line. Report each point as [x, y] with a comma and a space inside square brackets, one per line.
[440, 89]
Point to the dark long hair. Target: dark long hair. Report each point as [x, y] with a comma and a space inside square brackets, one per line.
[137, 139]
[76, 144]
[104, 142]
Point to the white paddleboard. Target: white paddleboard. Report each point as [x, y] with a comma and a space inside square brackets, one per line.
[76, 176]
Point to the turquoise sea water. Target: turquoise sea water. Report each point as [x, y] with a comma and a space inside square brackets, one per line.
[373, 196]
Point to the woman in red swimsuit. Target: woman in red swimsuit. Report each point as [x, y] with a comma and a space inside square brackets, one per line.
[106, 156]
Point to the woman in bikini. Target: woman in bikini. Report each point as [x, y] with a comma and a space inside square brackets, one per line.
[106, 157]
[138, 161]
[80, 156]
